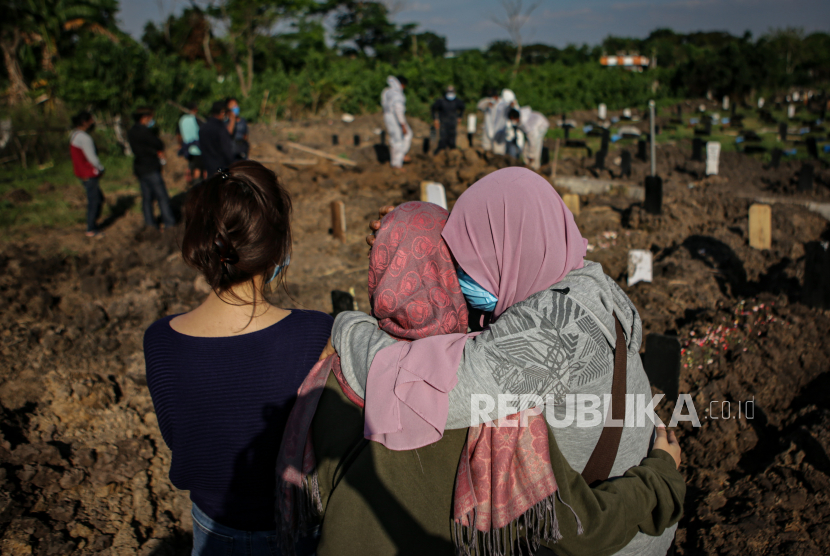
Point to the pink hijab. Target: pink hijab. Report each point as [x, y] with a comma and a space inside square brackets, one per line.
[513, 234]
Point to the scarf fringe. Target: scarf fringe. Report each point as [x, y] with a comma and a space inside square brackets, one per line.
[538, 524]
[308, 509]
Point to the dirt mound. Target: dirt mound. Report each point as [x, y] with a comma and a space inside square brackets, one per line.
[83, 467]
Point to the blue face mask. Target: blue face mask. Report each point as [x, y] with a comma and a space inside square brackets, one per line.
[476, 296]
[450, 96]
[151, 123]
[235, 110]
[278, 269]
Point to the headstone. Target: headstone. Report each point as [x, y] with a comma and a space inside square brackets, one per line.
[338, 220]
[796, 96]
[572, 202]
[641, 150]
[356, 140]
[791, 111]
[341, 301]
[382, 153]
[425, 146]
[602, 111]
[599, 161]
[760, 103]
[712, 158]
[625, 163]
[383, 137]
[567, 132]
[662, 363]
[470, 139]
[725, 103]
[805, 178]
[639, 266]
[679, 111]
[782, 131]
[760, 226]
[606, 137]
[433, 192]
[654, 195]
[776, 157]
[471, 123]
[545, 155]
[334, 140]
[626, 113]
[697, 149]
[816, 292]
[812, 147]
[707, 126]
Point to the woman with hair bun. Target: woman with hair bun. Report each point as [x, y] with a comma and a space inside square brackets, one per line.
[224, 376]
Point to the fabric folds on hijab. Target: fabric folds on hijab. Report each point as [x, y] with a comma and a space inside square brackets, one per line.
[512, 233]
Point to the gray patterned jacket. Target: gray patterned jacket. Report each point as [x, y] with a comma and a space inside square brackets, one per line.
[557, 342]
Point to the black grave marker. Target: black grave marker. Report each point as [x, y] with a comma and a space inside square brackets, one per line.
[641, 150]
[470, 139]
[545, 155]
[816, 292]
[567, 129]
[707, 126]
[812, 147]
[782, 131]
[662, 363]
[654, 195]
[382, 152]
[425, 146]
[335, 140]
[805, 178]
[357, 140]
[776, 157]
[383, 137]
[626, 163]
[697, 149]
[341, 301]
[606, 136]
[599, 160]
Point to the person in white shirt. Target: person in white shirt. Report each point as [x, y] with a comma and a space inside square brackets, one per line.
[88, 168]
[394, 116]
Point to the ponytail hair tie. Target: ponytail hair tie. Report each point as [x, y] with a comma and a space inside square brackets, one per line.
[227, 254]
[224, 173]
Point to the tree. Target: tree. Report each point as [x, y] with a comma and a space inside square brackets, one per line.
[17, 20]
[367, 26]
[516, 15]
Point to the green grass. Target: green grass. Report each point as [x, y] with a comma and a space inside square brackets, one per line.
[58, 197]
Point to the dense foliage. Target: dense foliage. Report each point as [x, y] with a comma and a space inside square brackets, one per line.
[279, 59]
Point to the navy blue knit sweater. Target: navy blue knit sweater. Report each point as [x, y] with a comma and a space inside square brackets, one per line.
[222, 405]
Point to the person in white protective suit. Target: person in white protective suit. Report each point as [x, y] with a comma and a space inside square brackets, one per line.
[507, 101]
[488, 106]
[535, 126]
[394, 116]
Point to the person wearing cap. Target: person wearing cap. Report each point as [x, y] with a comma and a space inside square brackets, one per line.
[446, 113]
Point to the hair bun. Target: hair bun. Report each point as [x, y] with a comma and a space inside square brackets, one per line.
[227, 254]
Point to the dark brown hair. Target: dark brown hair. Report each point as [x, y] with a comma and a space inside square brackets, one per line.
[237, 226]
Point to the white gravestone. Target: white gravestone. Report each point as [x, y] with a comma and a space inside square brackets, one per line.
[639, 266]
[627, 113]
[602, 112]
[433, 192]
[471, 123]
[796, 96]
[791, 111]
[712, 157]
[726, 103]
[760, 103]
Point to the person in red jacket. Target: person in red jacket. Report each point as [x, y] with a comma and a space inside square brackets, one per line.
[88, 168]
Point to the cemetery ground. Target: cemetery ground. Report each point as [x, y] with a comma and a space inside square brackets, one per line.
[83, 468]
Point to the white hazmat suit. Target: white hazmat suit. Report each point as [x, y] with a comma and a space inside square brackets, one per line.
[488, 106]
[507, 101]
[394, 116]
[535, 126]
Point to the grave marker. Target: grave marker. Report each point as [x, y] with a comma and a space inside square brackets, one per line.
[707, 126]
[760, 103]
[812, 147]
[606, 137]
[791, 111]
[805, 178]
[641, 150]
[776, 157]
[712, 158]
[341, 301]
[425, 145]
[626, 113]
[625, 163]
[602, 111]
[760, 226]
[599, 160]
[725, 103]
[338, 220]
[639, 266]
[356, 140]
[334, 140]
[782, 131]
[654, 195]
[816, 292]
[433, 192]
[572, 202]
[662, 363]
[697, 149]
[567, 129]
[472, 123]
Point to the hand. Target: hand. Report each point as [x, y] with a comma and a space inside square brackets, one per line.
[403, 129]
[668, 442]
[328, 351]
[374, 225]
[436, 124]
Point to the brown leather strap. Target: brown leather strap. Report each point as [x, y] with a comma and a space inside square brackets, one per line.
[602, 459]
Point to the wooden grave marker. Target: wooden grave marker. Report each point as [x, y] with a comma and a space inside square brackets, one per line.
[816, 292]
[641, 150]
[572, 202]
[356, 140]
[338, 220]
[805, 178]
[782, 131]
[776, 157]
[335, 140]
[625, 164]
[760, 226]
[433, 192]
[599, 160]
[654, 195]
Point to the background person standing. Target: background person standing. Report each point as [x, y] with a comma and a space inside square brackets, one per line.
[488, 106]
[88, 168]
[394, 116]
[238, 128]
[446, 114]
[535, 126]
[189, 136]
[215, 141]
[149, 151]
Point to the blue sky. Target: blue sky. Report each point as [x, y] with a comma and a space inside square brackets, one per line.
[467, 23]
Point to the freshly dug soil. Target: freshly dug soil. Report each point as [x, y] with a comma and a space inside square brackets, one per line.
[83, 467]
